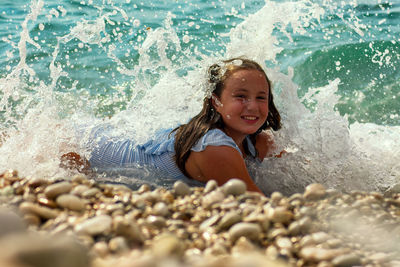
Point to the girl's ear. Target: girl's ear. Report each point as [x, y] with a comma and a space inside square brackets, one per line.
[215, 102]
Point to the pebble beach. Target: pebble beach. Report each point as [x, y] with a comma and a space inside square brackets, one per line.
[80, 222]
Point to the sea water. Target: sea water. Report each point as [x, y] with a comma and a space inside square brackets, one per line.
[141, 66]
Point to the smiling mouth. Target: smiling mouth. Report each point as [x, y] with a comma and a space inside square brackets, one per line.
[250, 118]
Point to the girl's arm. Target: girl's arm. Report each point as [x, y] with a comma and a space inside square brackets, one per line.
[220, 163]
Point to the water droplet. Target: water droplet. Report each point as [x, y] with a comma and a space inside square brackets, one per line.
[186, 39]
[136, 23]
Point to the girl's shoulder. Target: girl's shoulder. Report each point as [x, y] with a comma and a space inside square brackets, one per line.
[214, 137]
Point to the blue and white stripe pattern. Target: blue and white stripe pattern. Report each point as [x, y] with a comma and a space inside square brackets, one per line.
[158, 152]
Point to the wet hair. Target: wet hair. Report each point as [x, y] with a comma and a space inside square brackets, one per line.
[188, 134]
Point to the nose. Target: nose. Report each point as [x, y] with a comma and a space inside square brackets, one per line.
[251, 104]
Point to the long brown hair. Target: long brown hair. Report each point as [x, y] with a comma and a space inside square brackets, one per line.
[188, 134]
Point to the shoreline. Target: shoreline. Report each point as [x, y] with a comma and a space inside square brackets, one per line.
[80, 222]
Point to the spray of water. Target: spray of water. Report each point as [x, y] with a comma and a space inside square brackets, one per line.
[166, 86]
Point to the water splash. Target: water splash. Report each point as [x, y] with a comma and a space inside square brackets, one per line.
[146, 75]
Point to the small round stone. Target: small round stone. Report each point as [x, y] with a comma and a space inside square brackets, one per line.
[118, 244]
[79, 189]
[228, 220]
[100, 224]
[234, 187]
[32, 219]
[168, 245]
[156, 221]
[347, 260]
[91, 192]
[54, 190]
[71, 202]
[276, 197]
[284, 243]
[10, 175]
[319, 254]
[10, 222]
[42, 212]
[101, 248]
[181, 189]
[280, 215]
[314, 192]
[251, 231]
[160, 209]
[130, 230]
[210, 186]
[35, 182]
[211, 198]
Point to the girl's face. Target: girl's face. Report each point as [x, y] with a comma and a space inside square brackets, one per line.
[243, 104]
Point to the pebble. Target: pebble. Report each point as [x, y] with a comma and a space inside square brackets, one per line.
[7, 191]
[210, 186]
[54, 190]
[160, 209]
[42, 212]
[213, 197]
[79, 190]
[91, 192]
[129, 229]
[347, 260]
[118, 244]
[279, 214]
[36, 182]
[314, 192]
[71, 202]
[32, 219]
[101, 249]
[168, 245]
[209, 222]
[211, 226]
[234, 187]
[284, 243]
[100, 224]
[10, 175]
[181, 189]
[315, 254]
[10, 222]
[251, 231]
[35, 250]
[156, 221]
[228, 220]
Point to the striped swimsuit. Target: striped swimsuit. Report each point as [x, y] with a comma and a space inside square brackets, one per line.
[158, 153]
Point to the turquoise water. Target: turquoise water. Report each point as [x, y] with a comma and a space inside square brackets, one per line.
[335, 69]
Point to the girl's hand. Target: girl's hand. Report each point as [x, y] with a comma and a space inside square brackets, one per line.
[283, 152]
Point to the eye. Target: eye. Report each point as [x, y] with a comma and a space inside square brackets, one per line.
[262, 97]
[240, 96]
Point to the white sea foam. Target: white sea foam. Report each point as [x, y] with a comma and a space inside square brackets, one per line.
[322, 146]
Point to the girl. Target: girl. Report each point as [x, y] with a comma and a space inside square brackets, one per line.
[212, 145]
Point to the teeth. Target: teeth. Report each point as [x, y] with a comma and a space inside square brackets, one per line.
[249, 118]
